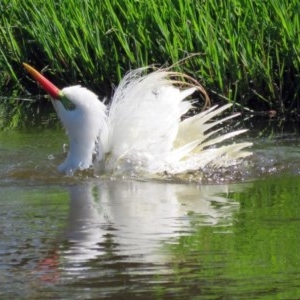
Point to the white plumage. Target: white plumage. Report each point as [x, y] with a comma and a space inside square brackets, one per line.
[141, 130]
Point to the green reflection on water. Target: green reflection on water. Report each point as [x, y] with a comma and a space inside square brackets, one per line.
[254, 256]
[258, 257]
[26, 113]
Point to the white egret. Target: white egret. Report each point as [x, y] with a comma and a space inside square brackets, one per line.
[142, 131]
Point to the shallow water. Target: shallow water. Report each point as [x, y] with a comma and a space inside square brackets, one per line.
[106, 238]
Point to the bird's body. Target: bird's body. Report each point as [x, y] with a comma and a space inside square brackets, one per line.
[142, 130]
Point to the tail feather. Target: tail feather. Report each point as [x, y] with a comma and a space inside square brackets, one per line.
[226, 156]
[215, 157]
[231, 153]
[195, 148]
[213, 124]
[210, 113]
[220, 139]
[196, 127]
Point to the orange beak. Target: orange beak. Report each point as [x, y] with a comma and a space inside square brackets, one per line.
[48, 86]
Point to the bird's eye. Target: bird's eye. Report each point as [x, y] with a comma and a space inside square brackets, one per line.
[68, 105]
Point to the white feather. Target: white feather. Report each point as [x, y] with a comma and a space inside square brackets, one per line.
[83, 126]
[142, 130]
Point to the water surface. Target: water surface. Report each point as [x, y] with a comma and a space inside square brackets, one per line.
[88, 237]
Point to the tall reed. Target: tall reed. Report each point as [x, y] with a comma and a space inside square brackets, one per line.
[249, 51]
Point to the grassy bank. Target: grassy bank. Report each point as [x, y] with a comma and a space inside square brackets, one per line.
[249, 51]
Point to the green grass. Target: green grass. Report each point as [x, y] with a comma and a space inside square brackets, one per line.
[249, 51]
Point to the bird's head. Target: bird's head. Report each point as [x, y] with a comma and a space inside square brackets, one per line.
[83, 117]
